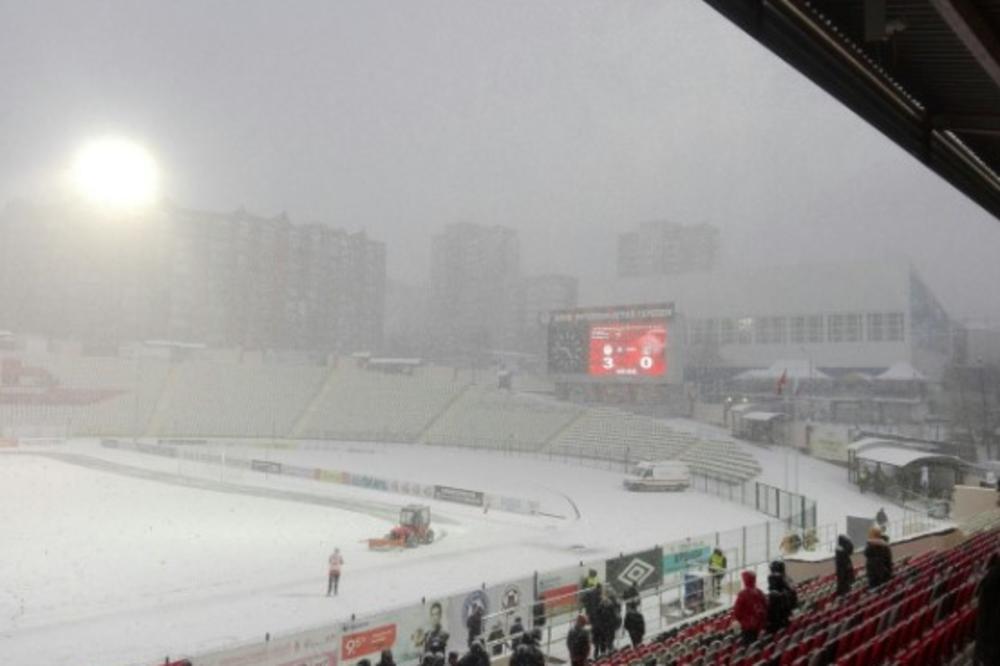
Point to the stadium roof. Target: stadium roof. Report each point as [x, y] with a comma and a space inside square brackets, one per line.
[926, 73]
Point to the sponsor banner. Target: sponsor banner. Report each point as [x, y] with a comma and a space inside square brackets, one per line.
[358, 644]
[8, 443]
[316, 647]
[330, 475]
[266, 466]
[365, 481]
[679, 557]
[513, 598]
[458, 495]
[644, 568]
[300, 472]
[829, 441]
[559, 589]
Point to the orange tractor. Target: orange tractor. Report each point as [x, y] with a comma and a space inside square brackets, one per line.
[414, 529]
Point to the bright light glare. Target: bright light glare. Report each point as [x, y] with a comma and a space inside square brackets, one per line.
[116, 173]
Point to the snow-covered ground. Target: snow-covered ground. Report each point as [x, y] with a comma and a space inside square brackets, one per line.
[151, 556]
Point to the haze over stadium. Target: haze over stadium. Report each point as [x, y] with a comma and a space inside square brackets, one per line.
[441, 284]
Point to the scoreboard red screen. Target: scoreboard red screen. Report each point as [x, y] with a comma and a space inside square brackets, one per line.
[628, 349]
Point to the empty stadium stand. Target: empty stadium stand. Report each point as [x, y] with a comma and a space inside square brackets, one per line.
[610, 434]
[487, 417]
[234, 399]
[366, 405]
[251, 397]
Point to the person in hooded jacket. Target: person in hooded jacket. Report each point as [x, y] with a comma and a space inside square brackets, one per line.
[878, 558]
[988, 616]
[781, 598]
[845, 567]
[635, 625]
[578, 642]
[750, 609]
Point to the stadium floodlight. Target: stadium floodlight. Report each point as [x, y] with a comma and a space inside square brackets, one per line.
[116, 173]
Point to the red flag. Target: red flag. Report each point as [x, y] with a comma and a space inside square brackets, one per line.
[782, 380]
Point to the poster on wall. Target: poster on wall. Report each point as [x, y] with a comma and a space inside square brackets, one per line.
[828, 441]
[644, 569]
[559, 589]
[316, 647]
[403, 631]
[501, 604]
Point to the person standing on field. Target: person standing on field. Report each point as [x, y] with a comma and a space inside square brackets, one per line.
[333, 581]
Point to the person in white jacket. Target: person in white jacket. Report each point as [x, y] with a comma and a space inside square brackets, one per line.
[336, 563]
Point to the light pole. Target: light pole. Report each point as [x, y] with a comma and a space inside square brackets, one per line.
[986, 413]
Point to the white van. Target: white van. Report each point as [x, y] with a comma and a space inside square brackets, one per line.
[662, 475]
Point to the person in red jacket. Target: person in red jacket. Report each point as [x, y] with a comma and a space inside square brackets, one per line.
[750, 609]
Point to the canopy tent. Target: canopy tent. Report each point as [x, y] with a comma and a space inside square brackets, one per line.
[902, 372]
[795, 368]
[889, 452]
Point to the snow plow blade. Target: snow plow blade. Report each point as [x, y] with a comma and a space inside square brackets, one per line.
[384, 544]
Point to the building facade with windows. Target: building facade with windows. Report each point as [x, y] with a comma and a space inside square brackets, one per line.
[667, 248]
[852, 316]
[474, 291]
[220, 279]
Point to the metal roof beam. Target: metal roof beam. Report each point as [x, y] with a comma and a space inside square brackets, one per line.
[988, 125]
[974, 32]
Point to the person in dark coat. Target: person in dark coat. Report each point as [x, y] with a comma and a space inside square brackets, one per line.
[845, 567]
[385, 659]
[780, 599]
[528, 653]
[635, 625]
[578, 642]
[750, 609]
[516, 633]
[591, 600]
[604, 625]
[988, 617]
[631, 596]
[878, 558]
[475, 624]
[495, 640]
[881, 519]
[476, 656]
[538, 614]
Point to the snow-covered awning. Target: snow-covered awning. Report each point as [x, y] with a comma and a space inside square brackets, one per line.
[796, 368]
[902, 372]
[762, 416]
[898, 456]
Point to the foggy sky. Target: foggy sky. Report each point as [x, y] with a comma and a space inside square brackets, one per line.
[569, 121]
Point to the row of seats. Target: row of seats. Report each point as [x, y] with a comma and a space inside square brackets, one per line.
[232, 399]
[364, 405]
[487, 417]
[610, 434]
[924, 615]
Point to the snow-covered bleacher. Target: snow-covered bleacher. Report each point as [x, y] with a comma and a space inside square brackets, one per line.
[234, 399]
[358, 403]
[611, 434]
[487, 417]
[96, 395]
